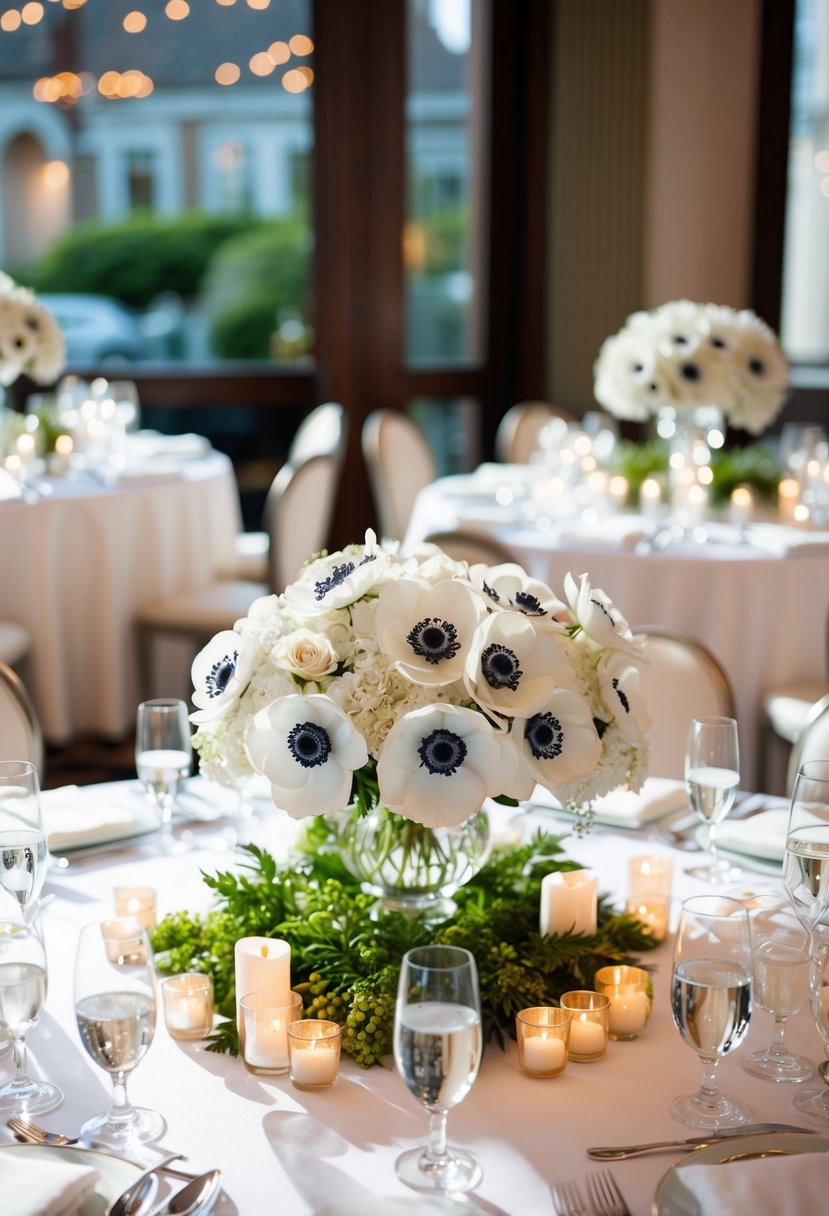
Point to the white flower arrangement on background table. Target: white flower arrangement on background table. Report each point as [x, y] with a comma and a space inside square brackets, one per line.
[423, 684]
[685, 355]
[31, 341]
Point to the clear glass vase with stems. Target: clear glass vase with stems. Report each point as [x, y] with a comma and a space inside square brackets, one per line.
[22, 997]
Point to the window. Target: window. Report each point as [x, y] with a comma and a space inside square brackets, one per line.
[140, 180]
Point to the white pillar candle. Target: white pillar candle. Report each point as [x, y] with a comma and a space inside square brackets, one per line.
[569, 902]
[741, 507]
[261, 964]
[543, 1053]
[618, 488]
[788, 496]
[650, 497]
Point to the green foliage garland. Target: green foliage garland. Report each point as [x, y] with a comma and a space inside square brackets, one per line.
[345, 955]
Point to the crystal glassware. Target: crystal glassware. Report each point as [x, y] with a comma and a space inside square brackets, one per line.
[437, 1047]
[806, 865]
[22, 840]
[780, 962]
[711, 1000]
[163, 759]
[22, 996]
[115, 1010]
[813, 1104]
[712, 777]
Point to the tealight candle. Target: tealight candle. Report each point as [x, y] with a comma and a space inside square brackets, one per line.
[262, 964]
[266, 1017]
[652, 911]
[25, 446]
[630, 1004]
[741, 508]
[589, 1027]
[649, 878]
[188, 1005]
[650, 497]
[788, 497]
[617, 489]
[124, 940]
[138, 902]
[543, 1036]
[314, 1053]
[569, 902]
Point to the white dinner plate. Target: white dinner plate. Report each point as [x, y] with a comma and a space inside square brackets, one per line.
[672, 1198]
[115, 1174]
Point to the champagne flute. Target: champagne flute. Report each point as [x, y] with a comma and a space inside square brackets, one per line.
[22, 996]
[22, 840]
[806, 865]
[712, 776]
[711, 1000]
[163, 758]
[813, 1104]
[115, 1009]
[437, 1047]
[781, 964]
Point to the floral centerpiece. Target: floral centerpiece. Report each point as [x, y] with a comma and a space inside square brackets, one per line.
[31, 341]
[684, 355]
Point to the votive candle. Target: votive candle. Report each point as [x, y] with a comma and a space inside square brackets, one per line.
[569, 902]
[543, 1037]
[741, 507]
[314, 1053]
[139, 902]
[188, 1005]
[262, 964]
[650, 878]
[788, 497]
[266, 1017]
[630, 1004]
[589, 1027]
[124, 940]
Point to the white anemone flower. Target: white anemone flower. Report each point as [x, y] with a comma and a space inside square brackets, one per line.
[338, 580]
[624, 369]
[559, 743]
[308, 749]
[600, 620]
[427, 628]
[439, 763]
[509, 586]
[513, 668]
[619, 684]
[220, 673]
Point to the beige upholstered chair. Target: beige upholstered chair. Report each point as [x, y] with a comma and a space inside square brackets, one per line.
[812, 743]
[399, 463]
[471, 547]
[786, 712]
[681, 681]
[517, 434]
[20, 736]
[15, 643]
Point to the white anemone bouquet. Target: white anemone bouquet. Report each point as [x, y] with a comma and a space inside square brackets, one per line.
[423, 684]
[686, 355]
[31, 341]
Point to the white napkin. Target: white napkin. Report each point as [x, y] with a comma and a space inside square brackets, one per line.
[74, 819]
[762, 835]
[794, 1185]
[780, 540]
[44, 1188]
[148, 444]
[607, 531]
[145, 474]
[658, 797]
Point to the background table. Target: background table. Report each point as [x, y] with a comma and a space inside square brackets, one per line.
[333, 1153]
[75, 565]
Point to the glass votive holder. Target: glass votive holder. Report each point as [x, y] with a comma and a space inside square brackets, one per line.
[314, 1053]
[630, 1002]
[265, 1021]
[649, 884]
[188, 1005]
[543, 1036]
[589, 1025]
[138, 902]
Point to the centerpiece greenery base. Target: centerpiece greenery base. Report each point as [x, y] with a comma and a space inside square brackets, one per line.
[345, 958]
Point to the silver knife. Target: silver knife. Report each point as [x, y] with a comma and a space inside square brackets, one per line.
[730, 1133]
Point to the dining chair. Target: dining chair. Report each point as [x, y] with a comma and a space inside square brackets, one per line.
[20, 733]
[297, 515]
[680, 681]
[517, 435]
[15, 643]
[812, 741]
[399, 463]
[786, 711]
[472, 547]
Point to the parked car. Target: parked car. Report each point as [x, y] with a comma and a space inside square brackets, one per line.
[97, 329]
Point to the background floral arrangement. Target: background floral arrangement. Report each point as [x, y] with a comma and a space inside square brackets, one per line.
[685, 355]
[31, 341]
[423, 684]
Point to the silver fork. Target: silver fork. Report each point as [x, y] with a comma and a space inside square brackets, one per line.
[33, 1133]
[567, 1199]
[605, 1196]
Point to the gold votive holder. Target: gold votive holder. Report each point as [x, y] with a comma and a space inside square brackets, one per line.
[589, 1025]
[543, 1036]
[188, 1005]
[138, 902]
[266, 1018]
[630, 1001]
[314, 1053]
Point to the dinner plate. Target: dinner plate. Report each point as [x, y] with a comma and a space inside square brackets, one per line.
[672, 1198]
[115, 1174]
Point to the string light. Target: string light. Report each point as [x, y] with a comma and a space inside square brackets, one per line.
[135, 22]
[227, 73]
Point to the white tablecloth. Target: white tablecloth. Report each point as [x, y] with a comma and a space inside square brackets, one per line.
[763, 616]
[333, 1152]
[77, 564]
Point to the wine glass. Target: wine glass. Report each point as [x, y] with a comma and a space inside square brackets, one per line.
[115, 1009]
[806, 865]
[781, 962]
[712, 776]
[22, 840]
[711, 1000]
[813, 1104]
[22, 996]
[163, 758]
[437, 1047]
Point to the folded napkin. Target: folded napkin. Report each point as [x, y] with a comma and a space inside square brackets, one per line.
[607, 531]
[762, 835]
[658, 797]
[794, 1185]
[148, 444]
[780, 540]
[145, 474]
[41, 1187]
[73, 819]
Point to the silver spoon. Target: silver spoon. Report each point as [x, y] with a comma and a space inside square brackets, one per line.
[138, 1198]
[195, 1196]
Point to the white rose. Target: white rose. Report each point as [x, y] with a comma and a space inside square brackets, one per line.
[306, 654]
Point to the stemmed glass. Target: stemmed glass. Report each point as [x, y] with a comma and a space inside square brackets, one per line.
[813, 1104]
[437, 1047]
[711, 1000]
[22, 840]
[712, 777]
[806, 865]
[115, 1009]
[781, 962]
[163, 758]
[22, 996]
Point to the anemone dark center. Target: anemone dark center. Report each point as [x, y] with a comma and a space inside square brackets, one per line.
[442, 752]
[545, 735]
[309, 744]
[220, 674]
[622, 696]
[434, 639]
[528, 603]
[337, 576]
[501, 667]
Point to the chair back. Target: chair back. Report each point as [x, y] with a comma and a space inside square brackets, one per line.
[298, 513]
[323, 432]
[471, 547]
[681, 680]
[20, 736]
[399, 463]
[812, 743]
[517, 435]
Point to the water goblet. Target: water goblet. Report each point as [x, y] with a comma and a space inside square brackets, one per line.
[437, 1048]
[813, 1104]
[806, 864]
[711, 1000]
[22, 996]
[22, 840]
[781, 963]
[712, 777]
[115, 1009]
[163, 758]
